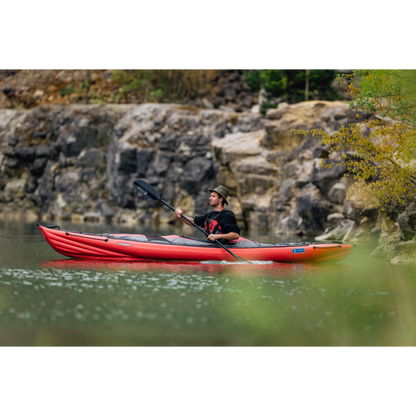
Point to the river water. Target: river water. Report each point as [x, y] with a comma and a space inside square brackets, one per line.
[49, 300]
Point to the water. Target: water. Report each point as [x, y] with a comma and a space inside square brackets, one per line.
[49, 300]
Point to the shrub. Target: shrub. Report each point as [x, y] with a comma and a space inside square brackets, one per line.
[379, 152]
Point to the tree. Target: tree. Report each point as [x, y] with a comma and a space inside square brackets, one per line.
[380, 152]
[292, 86]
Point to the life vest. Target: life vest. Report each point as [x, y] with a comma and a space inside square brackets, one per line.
[211, 223]
[213, 227]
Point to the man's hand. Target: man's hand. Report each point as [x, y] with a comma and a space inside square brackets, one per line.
[229, 236]
[214, 237]
[178, 213]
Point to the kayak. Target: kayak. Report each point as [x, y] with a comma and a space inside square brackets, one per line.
[138, 247]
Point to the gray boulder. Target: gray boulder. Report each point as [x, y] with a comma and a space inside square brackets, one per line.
[407, 222]
[197, 173]
[337, 233]
[90, 158]
[168, 141]
[325, 178]
[31, 184]
[68, 180]
[144, 157]
[15, 189]
[350, 211]
[24, 152]
[333, 220]
[159, 165]
[105, 209]
[313, 207]
[37, 167]
[337, 193]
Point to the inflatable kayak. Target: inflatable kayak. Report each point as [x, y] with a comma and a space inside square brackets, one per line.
[136, 247]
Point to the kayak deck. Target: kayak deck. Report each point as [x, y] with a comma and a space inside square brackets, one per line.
[137, 247]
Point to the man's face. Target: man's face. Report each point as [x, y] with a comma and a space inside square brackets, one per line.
[214, 199]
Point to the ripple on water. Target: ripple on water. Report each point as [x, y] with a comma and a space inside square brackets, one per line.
[359, 302]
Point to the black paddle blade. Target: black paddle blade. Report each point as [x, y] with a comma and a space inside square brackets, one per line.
[145, 189]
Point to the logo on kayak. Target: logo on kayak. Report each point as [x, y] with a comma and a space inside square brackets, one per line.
[298, 250]
[122, 244]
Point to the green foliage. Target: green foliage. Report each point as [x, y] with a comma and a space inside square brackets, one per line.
[67, 90]
[156, 94]
[71, 89]
[380, 152]
[253, 79]
[84, 85]
[291, 86]
[392, 93]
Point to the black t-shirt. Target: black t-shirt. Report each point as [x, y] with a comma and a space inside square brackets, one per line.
[218, 222]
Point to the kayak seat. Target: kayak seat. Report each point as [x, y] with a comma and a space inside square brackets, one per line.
[250, 244]
[142, 238]
[190, 241]
[243, 243]
[127, 237]
[158, 239]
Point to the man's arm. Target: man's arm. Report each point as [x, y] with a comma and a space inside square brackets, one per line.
[228, 223]
[178, 213]
[229, 236]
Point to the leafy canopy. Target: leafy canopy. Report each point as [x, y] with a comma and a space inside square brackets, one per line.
[291, 85]
[380, 152]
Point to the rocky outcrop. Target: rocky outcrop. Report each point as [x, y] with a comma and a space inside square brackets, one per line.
[398, 239]
[52, 159]
[170, 147]
[79, 162]
[231, 92]
[278, 177]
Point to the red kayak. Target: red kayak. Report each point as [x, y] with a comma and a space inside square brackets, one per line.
[137, 247]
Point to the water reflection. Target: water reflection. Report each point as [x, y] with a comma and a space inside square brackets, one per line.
[48, 300]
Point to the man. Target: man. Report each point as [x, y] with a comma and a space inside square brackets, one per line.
[220, 223]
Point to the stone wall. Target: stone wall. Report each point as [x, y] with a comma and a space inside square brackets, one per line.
[53, 160]
[276, 175]
[78, 162]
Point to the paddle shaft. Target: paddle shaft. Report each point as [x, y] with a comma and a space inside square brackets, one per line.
[201, 229]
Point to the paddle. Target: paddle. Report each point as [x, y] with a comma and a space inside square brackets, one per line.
[148, 191]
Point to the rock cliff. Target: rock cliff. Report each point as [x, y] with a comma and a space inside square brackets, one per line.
[278, 177]
[398, 238]
[78, 162]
